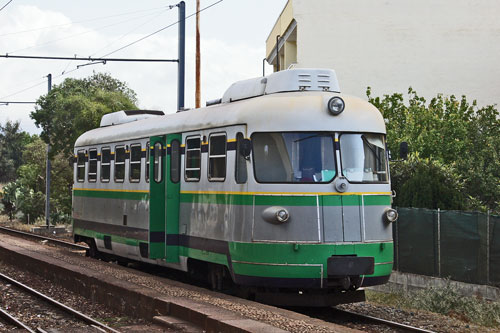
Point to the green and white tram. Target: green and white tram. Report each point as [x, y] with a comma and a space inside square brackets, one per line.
[281, 187]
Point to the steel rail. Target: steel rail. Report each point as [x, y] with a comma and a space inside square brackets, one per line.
[57, 304]
[14, 321]
[41, 238]
[385, 322]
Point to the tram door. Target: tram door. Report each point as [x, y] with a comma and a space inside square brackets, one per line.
[164, 186]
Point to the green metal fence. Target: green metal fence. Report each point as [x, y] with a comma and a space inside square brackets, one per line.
[463, 246]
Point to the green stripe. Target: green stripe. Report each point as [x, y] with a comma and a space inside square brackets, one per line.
[248, 200]
[111, 194]
[251, 258]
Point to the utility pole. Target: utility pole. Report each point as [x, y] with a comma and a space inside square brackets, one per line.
[198, 72]
[182, 55]
[47, 169]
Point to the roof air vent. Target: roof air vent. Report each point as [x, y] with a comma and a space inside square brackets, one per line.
[126, 116]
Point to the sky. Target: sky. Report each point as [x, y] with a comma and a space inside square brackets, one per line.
[233, 35]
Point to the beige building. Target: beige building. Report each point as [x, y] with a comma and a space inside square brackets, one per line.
[434, 46]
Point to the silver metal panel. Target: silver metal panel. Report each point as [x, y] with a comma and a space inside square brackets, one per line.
[332, 224]
[352, 222]
[376, 228]
[304, 225]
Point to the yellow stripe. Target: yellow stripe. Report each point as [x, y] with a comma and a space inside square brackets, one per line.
[168, 145]
[204, 143]
[109, 190]
[183, 145]
[143, 149]
[286, 193]
[231, 140]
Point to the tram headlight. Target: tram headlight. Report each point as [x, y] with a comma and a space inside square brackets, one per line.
[336, 105]
[390, 215]
[282, 215]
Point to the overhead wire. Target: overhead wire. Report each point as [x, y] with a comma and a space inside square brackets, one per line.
[78, 34]
[160, 30]
[82, 21]
[130, 31]
[119, 49]
[5, 5]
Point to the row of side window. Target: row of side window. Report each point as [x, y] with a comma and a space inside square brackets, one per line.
[120, 156]
[217, 160]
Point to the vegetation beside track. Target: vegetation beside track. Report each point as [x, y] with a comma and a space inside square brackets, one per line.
[446, 301]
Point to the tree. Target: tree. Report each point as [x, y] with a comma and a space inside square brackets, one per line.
[453, 133]
[76, 106]
[12, 144]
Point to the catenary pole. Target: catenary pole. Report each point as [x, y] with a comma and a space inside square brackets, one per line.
[47, 170]
[198, 57]
[182, 55]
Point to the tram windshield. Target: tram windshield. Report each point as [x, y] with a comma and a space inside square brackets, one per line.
[294, 157]
[363, 158]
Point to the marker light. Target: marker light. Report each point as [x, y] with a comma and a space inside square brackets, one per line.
[336, 105]
[282, 215]
[390, 215]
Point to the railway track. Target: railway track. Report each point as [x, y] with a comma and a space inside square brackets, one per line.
[50, 240]
[32, 297]
[347, 316]
[379, 321]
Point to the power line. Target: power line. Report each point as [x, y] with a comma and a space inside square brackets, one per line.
[82, 21]
[87, 58]
[15, 102]
[5, 5]
[160, 30]
[80, 33]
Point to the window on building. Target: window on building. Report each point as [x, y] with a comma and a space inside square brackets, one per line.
[80, 166]
[175, 161]
[148, 150]
[217, 157]
[92, 176]
[193, 159]
[157, 166]
[120, 164]
[105, 164]
[241, 163]
[135, 162]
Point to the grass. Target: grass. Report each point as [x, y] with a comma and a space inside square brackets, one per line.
[445, 300]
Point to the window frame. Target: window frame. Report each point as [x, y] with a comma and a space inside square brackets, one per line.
[103, 164]
[175, 162]
[158, 163]
[187, 150]
[240, 160]
[120, 180]
[334, 157]
[210, 157]
[386, 159]
[147, 162]
[131, 162]
[89, 168]
[78, 152]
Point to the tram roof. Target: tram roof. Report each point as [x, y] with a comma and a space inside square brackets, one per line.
[287, 111]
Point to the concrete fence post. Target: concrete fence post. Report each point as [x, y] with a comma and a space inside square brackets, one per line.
[488, 247]
[439, 241]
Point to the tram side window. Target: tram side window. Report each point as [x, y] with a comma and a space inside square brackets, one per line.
[217, 157]
[157, 166]
[241, 163]
[135, 163]
[120, 164]
[80, 166]
[175, 161]
[105, 164]
[193, 159]
[92, 176]
[148, 149]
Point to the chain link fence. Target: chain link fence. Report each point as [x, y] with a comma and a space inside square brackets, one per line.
[462, 246]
